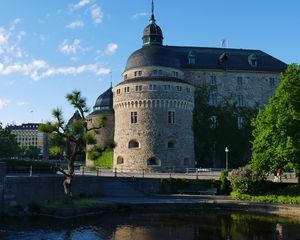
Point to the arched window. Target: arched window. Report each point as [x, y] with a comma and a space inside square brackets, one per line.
[133, 144]
[172, 144]
[120, 160]
[153, 161]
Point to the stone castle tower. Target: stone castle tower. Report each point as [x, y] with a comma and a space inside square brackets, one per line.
[153, 110]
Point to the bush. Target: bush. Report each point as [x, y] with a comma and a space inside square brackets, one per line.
[105, 160]
[245, 180]
[224, 183]
[22, 166]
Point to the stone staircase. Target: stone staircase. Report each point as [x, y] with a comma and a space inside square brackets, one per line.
[116, 187]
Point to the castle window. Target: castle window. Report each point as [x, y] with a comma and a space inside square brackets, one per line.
[125, 77]
[138, 88]
[213, 80]
[133, 144]
[175, 74]
[153, 161]
[126, 89]
[157, 72]
[167, 87]
[213, 121]
[152, 87]
[239, 81]
[188, 89]
[120, 160]
[171, 117]
[172, 144]
[272, 82]
[252, 60]
[213, 100]
[191, 58]
[138, 73]
[133, 117]
[240, 122]
[240, 100]
[178, 88]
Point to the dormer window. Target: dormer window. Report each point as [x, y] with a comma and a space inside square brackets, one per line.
[252, 60]
[191, 58]
[125, 77]
[138, 73]
[175, 74]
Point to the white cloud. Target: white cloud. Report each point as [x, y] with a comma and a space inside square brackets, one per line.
[111, 48]
[138, 15]
[21, 104]
[96, 14]
[4, 36]
[72, 48]
[39, 69]
[76, 24]
[92, 68]
[26, 69]
[4, 103]
[14, 23]
[81, 4]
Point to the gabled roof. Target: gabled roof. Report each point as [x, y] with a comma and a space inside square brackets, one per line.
[205, 58]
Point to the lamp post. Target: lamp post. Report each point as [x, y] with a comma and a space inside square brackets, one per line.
[226, 154]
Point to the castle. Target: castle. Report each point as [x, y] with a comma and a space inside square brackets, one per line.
[150, 112]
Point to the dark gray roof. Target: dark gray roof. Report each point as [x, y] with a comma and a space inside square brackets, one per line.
[205, 58]
[104, 103]
[153, 79]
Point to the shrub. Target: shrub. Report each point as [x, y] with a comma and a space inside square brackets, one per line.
[224, 183]
[245, 180]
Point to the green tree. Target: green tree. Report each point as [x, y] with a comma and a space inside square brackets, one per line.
[211, 137]
[276, 131]
[9, 146]
[32, 152]
[72, 137]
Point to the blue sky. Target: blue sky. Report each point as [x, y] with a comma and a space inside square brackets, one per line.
[49, 48]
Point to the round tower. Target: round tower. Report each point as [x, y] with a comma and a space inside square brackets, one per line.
[153, 110]
[103, 107]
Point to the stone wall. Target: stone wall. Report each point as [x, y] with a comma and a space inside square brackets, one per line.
[25, 190]
[255, 87]
[2, 185]
[152, 130]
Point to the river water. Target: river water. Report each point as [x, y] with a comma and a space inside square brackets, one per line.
[152, 226]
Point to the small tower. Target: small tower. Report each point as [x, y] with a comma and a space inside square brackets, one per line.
[152, 33]
[103, 106]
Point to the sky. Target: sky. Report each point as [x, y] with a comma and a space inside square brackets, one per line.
[50, 48]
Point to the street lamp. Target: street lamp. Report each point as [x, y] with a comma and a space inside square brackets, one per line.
[226, 154]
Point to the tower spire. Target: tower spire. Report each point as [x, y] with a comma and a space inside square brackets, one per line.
[152, 7]
[152, 19]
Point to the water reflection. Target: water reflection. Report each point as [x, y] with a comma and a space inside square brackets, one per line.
[149, 226]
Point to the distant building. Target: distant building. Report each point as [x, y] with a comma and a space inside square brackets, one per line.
[27, 134]
[153, 105]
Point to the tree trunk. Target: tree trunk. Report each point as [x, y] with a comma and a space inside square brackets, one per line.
[69, 178]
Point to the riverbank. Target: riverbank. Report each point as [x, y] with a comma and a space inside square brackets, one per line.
[173, 203]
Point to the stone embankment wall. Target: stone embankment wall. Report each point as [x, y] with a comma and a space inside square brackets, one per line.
[25, 190]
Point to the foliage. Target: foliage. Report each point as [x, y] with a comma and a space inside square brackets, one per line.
[105, 160]
[8, 144]
[74, 203]
[245, 180]
[13, 166]
[224, 183]
[276, 132]
[274, 198]
[32, 152]
[211, 139]
[174, 185]
[70, 138]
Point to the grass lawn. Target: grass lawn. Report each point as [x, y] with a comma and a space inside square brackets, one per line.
[289, 195]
